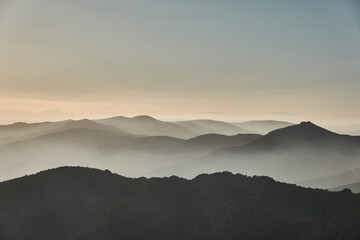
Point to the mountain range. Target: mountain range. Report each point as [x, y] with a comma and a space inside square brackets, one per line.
[291, 154]
[139, 125]
[28, 148]
[145, 146]
[337, 181]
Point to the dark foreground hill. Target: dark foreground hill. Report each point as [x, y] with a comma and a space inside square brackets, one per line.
[81, 204]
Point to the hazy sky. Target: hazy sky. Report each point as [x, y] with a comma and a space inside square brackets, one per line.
[240, 59]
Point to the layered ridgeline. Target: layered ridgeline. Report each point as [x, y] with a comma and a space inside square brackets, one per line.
[292, 154]
[338, 180]
[139, 125]
[80, 204]
[149, 126]
[144, 146]
[29, 148]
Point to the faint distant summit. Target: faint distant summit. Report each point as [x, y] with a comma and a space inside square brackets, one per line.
[8, 116]
[145, 117]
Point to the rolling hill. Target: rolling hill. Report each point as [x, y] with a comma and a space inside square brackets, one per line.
[148, 126]
[202, 127]
[220, 127]
[88, 124]
[291, 154]
[72, 203]
[22, 131]
[217, 141]
[139, 125]
[87, 143]
[305, 134]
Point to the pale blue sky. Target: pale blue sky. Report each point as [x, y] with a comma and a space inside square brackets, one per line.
[237, 57]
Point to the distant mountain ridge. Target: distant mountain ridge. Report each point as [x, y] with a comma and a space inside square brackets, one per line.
[206, 126]
[303, 132]
[149, 126]
[291, 154]
[139, 125]
[89, 143]
[263, 126]
[334, 181]
[145, 146]
[208, 140]
[89, 124]
[22, 131]
[8, 116]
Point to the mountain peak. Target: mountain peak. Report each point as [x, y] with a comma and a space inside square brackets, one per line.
[305, 131]
[307, 123]
[305, 128]
[81, 122]
[144, 117]
[84, 120]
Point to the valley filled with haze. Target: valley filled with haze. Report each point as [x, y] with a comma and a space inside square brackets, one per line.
[302, 153]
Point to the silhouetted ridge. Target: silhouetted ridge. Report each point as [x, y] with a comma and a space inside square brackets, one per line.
[72, 203]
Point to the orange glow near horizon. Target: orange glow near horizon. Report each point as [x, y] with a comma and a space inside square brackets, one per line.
[181, 61]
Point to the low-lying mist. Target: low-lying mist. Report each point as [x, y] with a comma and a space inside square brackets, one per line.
[293, 154]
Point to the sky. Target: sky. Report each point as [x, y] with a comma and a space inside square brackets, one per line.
[230, 60]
